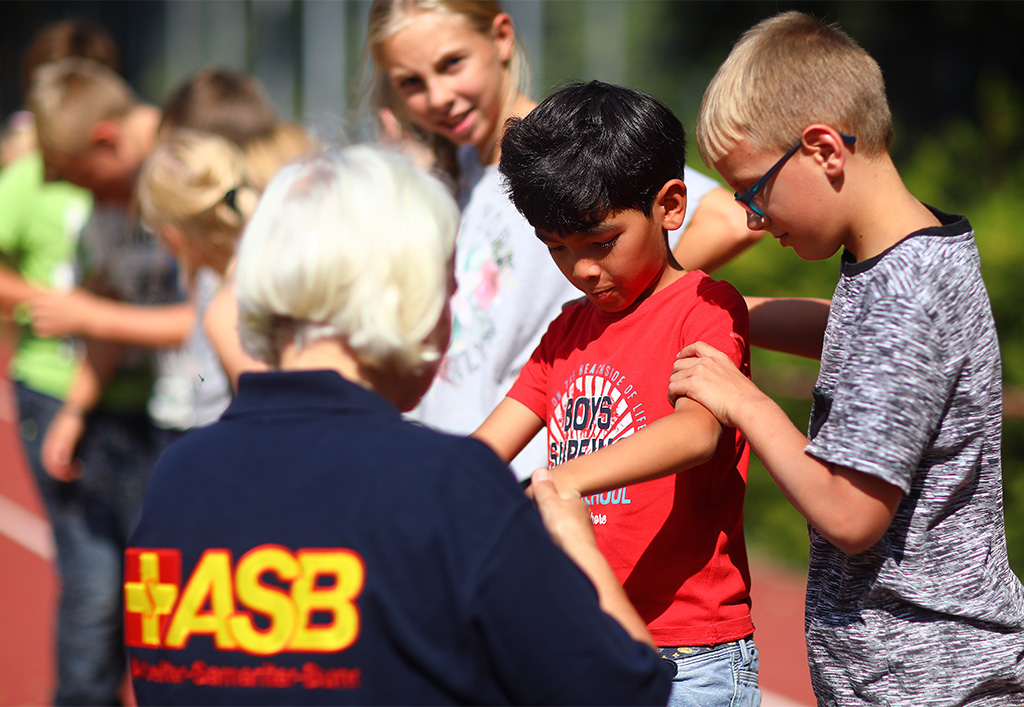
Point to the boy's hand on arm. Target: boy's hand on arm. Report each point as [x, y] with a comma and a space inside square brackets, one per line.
[63, 313]
[509, 428]
[851, 509]
[567, 520]
[82, 313]
[705, 375]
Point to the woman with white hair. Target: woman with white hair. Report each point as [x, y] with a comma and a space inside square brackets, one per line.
[314, 547]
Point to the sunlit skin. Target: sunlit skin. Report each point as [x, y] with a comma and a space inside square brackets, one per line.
[624, 260]
[796, 196]
[453, 80]
[109, 164]
[96, 169]
[821, 199]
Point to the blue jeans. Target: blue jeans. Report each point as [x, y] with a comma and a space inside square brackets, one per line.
[91, 519]
[721, 675]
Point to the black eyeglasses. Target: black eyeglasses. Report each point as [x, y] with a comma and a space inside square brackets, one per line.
[747, 197]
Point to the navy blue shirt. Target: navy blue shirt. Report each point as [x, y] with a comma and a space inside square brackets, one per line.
[312, 547]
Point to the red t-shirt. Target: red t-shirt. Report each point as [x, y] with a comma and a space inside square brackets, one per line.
[675, 543]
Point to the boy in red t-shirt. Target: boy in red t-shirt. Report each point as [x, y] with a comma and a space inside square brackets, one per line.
[597, 170]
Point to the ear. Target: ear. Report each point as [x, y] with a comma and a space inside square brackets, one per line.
[503, 33]
[105, 132]
[671, 201]
[826, 146]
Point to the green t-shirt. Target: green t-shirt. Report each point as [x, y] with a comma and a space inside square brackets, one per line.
[39, 227]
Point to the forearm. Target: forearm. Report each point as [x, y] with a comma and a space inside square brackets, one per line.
[67, 427]
[850, 509]
[508, 429]
[684, 439]
[788, 324]
[14, 290]
[155, 326]
[94, 372]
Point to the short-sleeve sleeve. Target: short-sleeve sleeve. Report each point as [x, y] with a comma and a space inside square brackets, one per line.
[529, 388]
[889, 397]
[719, 317]
[17, 183]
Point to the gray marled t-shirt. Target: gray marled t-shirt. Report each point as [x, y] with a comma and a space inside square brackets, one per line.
[910, 391]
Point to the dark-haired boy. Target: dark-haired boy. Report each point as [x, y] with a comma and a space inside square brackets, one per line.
[597, 171]
[910, 597]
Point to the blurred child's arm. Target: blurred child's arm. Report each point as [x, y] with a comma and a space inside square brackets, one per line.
[686, 438]
[14, 290]
[788, 324]
[221, 326]
[509, 428]
[851, 509]
[81, 313]
[567, 520]
[716, 234]
[65, 431]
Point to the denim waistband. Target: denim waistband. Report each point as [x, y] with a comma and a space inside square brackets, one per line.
[682, 652]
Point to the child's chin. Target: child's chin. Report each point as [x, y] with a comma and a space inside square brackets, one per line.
[608, 306]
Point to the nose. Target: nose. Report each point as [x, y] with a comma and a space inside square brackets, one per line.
[439, 95]
[585, 269]
[756, 222]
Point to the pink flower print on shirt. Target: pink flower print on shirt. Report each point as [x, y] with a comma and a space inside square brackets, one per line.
[490, 282]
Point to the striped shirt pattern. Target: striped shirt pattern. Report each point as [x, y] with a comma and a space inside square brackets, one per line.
[910, 391]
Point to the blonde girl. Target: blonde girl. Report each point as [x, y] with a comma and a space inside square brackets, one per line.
[448, 73]
[193, 194]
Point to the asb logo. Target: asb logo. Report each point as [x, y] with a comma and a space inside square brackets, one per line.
[272, 601]
[152, 578]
